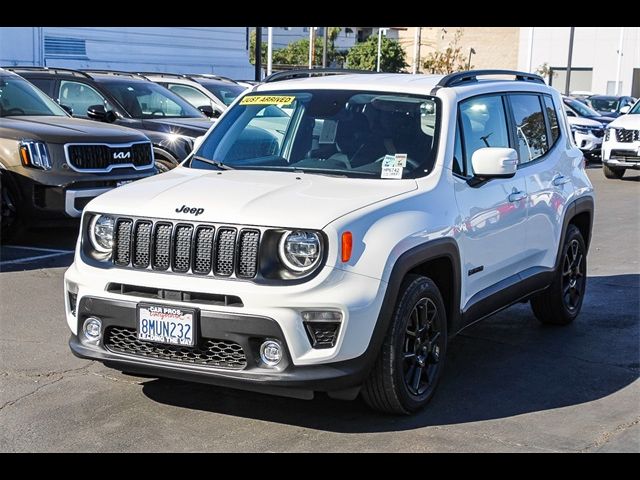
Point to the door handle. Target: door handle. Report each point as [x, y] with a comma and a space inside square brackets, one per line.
[517, 196]
[559, 180]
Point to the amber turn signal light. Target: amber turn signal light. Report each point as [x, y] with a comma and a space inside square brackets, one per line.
[347, 246]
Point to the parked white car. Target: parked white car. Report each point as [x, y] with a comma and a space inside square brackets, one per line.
[338, 246]
[587, 134]
[621, 147]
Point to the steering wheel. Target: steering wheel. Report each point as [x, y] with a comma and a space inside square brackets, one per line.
[410, 162]
[158, 111]
[14, 111]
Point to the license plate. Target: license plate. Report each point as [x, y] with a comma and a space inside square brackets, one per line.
[166, 324]
[122, 182]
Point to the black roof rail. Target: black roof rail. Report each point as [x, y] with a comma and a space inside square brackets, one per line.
[160, 74]
[310, 72]
[89, 71]
[53, 70]
[459, 78]
[212, 76]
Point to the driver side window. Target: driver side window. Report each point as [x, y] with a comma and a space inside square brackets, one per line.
[484, 124]
[80, 96]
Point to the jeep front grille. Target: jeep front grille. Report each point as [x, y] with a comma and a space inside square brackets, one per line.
[627, 136]
[180, 247]
[103, 157]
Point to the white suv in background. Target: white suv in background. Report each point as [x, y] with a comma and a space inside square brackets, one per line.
[621, 147]
[333, 233]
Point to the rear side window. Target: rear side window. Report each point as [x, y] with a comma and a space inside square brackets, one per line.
[484, 124]
[531, 129]
[553, 119]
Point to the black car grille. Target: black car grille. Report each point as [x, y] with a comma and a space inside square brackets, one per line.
[624, 155]
[220, 251]
[627, 136]
[211, 352]
[101, 157]
[322, 334]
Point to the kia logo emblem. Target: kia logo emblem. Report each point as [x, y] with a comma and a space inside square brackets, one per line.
[121, 155]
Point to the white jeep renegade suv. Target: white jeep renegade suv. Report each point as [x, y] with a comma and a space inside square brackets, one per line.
[332, 233]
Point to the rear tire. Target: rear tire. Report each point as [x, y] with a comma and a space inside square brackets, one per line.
[410, 363]
[561, 302]
[610, 172]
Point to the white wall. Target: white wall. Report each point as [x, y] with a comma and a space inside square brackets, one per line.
[593, 47]
[220, 50]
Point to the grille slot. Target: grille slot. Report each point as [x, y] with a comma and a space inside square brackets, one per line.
[182, 248]
[142, 244]
[225, 251]
[101, 157]
[203, 250]
[211, 352]
[162, 246]
[627, 136]
[122, 254]
[248, 253]
[199, 249]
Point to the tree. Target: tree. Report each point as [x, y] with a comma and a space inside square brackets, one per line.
[364, 55]
[452, 59]
[297, 53]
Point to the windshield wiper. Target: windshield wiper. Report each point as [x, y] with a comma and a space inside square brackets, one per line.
[215, 163]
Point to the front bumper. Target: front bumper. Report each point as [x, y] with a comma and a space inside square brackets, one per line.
[621, 155]
[247, 331]
[264, 312]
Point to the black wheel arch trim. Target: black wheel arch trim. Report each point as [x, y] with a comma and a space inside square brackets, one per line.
[580, 205]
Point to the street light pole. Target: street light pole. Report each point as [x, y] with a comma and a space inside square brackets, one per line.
[471, 52]
[416, 50]
[568, 80]
[325, 42]
[269, 50]
[258, 52]
[311, 45]
[380, 32]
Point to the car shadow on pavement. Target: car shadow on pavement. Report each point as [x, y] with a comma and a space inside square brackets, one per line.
[507, 365]
[39, 248]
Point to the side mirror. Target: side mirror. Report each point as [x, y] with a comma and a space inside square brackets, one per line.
[209, 111]
[101, 114]
[625, 109]
[67, 108]
[494, 162]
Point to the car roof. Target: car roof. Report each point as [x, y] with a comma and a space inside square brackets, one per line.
[383, 82]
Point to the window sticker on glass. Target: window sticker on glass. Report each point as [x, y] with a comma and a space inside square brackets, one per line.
[390, 167]
[401, 159]
[280, 100]
[328, 133]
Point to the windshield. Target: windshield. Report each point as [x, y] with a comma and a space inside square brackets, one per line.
[149, 100]
[636, 109]
[582, 109]
[347, 133]
[606, 104]
[227, 92]
[19, 98]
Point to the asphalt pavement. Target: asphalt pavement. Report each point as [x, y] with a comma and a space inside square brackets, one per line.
[510, 384]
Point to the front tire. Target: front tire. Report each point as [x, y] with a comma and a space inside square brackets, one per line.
[610, 172]
[408, 368]
[561, 302]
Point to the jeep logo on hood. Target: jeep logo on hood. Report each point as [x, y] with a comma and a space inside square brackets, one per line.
[121, 155]
[194, 211]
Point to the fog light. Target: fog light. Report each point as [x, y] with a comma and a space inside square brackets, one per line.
[271, 353]
[92, 328]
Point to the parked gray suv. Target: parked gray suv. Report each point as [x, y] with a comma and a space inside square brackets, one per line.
[53, 165]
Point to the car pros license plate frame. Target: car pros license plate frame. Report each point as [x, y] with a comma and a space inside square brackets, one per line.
[167, 324]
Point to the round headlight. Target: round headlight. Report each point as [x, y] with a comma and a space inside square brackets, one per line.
[101, 233]
[300, 251]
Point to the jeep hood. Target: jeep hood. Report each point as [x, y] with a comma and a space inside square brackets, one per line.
[260, 198]
[59, 129]
[630, 122]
